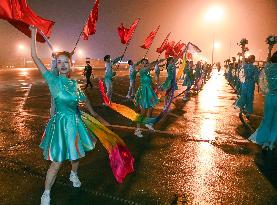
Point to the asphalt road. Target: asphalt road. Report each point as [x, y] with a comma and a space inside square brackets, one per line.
[200, 150]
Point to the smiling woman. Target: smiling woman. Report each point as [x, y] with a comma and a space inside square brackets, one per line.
[66, 136]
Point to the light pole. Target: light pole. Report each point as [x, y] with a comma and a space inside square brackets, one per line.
[213, 15]
[213, 51]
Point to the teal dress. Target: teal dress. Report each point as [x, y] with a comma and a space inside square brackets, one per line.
[266, 134]
[188, 80]
[65, 136]
[197, 73]
[245, 101]
[170, 77]
[145, 96]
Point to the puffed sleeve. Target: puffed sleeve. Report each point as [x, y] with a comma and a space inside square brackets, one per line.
[52, 82]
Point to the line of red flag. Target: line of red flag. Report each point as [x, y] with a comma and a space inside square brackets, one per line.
[19, 14]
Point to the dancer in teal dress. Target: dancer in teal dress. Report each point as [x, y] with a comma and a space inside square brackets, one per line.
[170, 72]
[132, 76]
[188, 80]
[157, 70]
[109, 73]
[251, 73]
[145, 96]
[197, 76]
[266, 134]
[165, 86]
[65, 136]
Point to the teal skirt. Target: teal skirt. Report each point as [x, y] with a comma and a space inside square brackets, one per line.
[188, 81]
[266, 134]
[146, 97]
[66, 138]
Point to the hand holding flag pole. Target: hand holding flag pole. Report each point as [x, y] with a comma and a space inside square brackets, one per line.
[126, 35]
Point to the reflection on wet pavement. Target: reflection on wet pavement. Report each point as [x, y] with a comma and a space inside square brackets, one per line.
[208, 162]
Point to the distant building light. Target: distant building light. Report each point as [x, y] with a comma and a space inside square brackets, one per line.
[122, 62]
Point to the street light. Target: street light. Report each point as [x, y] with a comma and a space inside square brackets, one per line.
[213, 15]
[80, 53]
[21, 48]
[217, 45]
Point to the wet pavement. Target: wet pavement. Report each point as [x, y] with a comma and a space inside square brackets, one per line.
[200, 152]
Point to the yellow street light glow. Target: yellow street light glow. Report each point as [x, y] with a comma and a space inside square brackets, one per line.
[80, 53]
[214, 14]
[217, 45]
[21, 47]
[56, 49]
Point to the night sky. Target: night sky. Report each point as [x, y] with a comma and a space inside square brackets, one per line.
[252, 19]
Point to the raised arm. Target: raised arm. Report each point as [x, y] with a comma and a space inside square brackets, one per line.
[137, 63]
[36, 59]
[154, 62]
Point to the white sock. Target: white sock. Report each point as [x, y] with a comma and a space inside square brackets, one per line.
[46, 192]
[72, 172]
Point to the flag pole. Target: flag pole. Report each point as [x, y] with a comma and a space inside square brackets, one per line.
[128, 43]
[165, 41]
[79, 38]
[46, 40]
[151, 42]
[130, 39]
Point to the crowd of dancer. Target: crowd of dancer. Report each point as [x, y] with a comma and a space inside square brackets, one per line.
[70, 132]
[244, 76]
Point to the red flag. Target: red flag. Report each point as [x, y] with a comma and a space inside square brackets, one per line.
[90, 27]
[174, 50]
[163, 47]
[169, 49]
[178, 47]
[18, 13]
[148, 41]
[178, 50]
[189, 56]
[125, 34]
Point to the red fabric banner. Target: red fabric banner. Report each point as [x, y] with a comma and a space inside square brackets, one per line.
[90, 27]
[164, 45]
[125, 34]
[18, 13]
[174, 50]
[148, 41]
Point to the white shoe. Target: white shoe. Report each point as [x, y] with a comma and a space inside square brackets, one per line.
[138, 133]
[128, 96]
[150, 127]
[74, 179]
[45, 199]
[185, 98]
